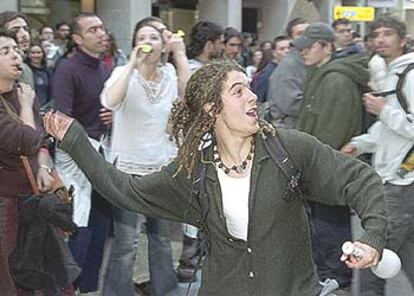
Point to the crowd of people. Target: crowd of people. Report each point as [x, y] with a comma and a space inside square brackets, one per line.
[192, 133]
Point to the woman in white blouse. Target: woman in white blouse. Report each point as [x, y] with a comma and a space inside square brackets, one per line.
[141, 95]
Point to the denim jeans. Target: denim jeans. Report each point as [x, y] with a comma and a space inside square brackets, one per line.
[119, 280]
[331, 227]
[87, 244]
[399, 206]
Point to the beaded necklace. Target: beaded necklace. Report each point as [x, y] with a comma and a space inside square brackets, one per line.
[153, 89]
[239, 168]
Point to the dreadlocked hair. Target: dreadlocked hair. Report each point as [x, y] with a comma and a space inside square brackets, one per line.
[190, 122]
[265, 128]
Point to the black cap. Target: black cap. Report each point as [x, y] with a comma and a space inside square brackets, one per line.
[315, 32]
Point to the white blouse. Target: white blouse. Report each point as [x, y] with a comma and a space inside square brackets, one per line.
[139, 143]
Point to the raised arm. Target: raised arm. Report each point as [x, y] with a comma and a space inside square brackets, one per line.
[116, 87]
[157, 195]
[177, 47]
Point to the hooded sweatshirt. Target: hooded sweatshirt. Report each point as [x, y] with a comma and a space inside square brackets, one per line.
[332, 110]
[392, 136]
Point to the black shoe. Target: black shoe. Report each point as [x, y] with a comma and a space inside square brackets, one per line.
[191, 248]
[143, 289]
[186, 272]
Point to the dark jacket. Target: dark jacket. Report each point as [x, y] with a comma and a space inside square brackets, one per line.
[332, 109]
[42, 259]
[260, 84]
[42, 79]
[276, 258]
[347, 51]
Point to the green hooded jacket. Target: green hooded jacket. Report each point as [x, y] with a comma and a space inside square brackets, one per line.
[332, 110]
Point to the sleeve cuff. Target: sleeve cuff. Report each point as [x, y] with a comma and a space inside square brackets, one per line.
[72, 134]
[374, 240]
[385, 113]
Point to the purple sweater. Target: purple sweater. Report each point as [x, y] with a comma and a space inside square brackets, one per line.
[77, 84]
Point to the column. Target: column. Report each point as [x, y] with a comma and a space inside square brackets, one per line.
[120, 17]
[326, 8]
[8, 5]
[274, 17]
[227, 13]
[62, 10]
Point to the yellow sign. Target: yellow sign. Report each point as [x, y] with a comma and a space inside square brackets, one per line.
[355, 13]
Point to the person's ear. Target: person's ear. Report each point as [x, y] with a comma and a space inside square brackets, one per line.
[209, 46]
[403, 42]
[208, 108]
[77, 38]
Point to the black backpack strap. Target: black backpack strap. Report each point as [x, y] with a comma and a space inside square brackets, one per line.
[283, 160]
[400, 83]
[198, 192]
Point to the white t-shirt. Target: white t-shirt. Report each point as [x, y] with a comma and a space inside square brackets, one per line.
[235, 198]
[194, 65]
[139, 143]
[250, 71]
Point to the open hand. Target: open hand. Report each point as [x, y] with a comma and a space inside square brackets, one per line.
[57, 124]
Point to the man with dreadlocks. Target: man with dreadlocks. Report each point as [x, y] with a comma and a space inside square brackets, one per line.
[258, 239]
[205, 44]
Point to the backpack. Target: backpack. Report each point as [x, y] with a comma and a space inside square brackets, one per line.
[402, 171]
[398, 88]
[400, 83]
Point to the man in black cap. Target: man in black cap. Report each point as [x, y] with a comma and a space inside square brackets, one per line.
[332, 112]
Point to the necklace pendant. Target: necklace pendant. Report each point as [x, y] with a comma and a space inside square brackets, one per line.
[239, 169]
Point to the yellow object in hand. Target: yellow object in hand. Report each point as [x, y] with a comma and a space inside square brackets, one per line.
[180, 33]
[146, 48]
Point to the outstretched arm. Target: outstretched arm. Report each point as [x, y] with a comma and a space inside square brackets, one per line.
[158, 195]
[332, 178]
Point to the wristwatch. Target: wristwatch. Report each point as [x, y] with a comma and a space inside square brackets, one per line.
[48, 169]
